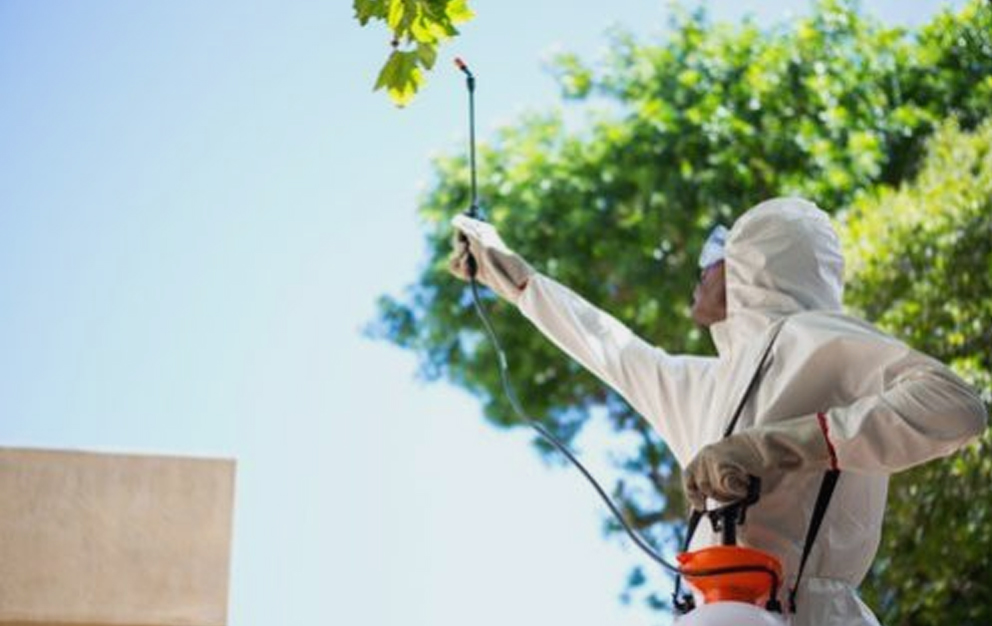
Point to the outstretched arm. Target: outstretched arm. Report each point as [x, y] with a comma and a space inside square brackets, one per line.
[649, 378]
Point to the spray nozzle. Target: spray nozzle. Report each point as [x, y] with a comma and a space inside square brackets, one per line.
[727, 518]
[462, 66]
[469, 76]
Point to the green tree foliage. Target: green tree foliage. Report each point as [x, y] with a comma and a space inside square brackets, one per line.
[418, 27]
[698, 127]
[921, 268]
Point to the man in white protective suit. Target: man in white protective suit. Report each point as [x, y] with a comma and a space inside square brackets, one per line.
[834, 392]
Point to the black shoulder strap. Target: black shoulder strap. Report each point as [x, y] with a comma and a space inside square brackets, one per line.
[819, 512]
[755, 377]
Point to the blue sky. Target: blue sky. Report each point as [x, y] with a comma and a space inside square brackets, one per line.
[199, 204]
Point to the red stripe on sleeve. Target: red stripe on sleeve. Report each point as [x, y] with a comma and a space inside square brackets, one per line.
[822, 417]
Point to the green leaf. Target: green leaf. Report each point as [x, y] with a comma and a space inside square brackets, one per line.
[401, 77]
[368, 9]
[458, 11]
[427, 55]
[387, 75]
[397, 13]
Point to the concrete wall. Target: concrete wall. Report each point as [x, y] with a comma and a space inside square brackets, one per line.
[100, 539]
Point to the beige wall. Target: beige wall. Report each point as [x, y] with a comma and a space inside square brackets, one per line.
[100, 539]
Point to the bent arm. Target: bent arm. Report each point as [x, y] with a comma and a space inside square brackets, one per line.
[924, 412]
[649, 378]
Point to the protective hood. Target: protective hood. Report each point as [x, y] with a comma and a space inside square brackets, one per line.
[782, 257]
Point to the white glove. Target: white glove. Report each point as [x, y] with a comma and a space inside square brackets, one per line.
[720, 470]
[498, 267]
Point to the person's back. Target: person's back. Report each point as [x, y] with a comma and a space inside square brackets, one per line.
[821, 360]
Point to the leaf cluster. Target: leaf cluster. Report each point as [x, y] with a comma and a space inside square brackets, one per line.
[418, 27]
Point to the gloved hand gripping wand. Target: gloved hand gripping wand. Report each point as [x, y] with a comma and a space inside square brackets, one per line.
[730, 514]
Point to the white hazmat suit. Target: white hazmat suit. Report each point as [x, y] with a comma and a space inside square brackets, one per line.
[883, 407]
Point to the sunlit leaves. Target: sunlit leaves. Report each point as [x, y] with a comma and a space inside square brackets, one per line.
[418, 27]
[400, 76]
[369, 9]
[574, 77]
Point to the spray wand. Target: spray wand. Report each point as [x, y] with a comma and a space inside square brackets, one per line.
[473, 209]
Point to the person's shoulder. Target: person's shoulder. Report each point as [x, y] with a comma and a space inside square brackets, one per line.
[836, 323]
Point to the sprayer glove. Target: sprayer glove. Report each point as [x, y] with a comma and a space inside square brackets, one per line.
[720, 470]
[498, 267]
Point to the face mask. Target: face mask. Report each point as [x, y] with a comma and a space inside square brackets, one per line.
[713, 248]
